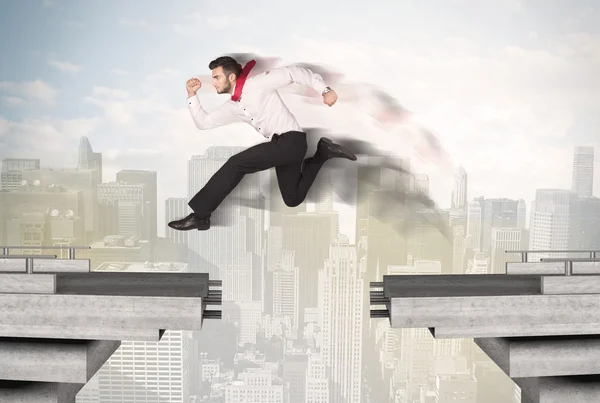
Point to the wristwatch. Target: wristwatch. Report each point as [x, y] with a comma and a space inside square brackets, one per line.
[326, 90]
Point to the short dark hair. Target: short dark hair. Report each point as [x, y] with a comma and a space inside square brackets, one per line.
[229, 64]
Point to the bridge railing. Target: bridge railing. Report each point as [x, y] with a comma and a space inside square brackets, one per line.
[28, 259]
[594, 256]
[525, 253]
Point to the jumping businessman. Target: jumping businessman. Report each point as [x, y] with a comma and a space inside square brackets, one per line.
[255, 100]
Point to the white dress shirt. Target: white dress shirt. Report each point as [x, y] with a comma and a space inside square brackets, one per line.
[260, 105]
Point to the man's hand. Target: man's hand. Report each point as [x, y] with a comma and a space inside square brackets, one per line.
[192, 85]
[330, 98]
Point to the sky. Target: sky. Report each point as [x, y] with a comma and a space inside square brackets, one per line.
[510, 87]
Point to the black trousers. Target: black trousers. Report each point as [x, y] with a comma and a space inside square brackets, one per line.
[284, 152]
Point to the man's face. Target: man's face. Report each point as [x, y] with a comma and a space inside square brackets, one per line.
[220, 81]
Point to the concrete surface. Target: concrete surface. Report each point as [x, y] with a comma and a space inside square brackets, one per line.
[27, 283]
[110, 311]
[523, 329]
[524, 357]
[552, 267]
[61, 265]
[576, 284]
[53, 360]
[524, 268]
[80, 332]
[500, 311]
[561, 389]
[38, 392]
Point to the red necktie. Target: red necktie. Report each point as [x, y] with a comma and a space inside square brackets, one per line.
[239, 84]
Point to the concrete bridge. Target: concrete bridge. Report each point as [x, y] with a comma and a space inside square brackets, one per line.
[60, 322]
[539, 322]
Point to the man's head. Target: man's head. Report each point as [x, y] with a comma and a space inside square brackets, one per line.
[225, 71]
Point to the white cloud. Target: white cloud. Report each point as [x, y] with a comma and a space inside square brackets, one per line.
[119, 72]
[36, 90]
[196, 23]
[134, 23]
[110, 92]
[66, 67]
[164, 73]
[45, 138]
[226, 21]
[48, 3]
[13, 101]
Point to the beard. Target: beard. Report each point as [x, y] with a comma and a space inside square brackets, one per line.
[226, 88]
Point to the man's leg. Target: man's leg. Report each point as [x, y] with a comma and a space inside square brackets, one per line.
[295, 179]
[257, 158]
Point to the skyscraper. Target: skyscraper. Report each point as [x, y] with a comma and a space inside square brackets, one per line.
[341, 300]
[459, 193]
[583, 171]
[149, 202]
[88, 159]
[550, 215]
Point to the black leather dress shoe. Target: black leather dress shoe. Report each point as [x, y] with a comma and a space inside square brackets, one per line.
[192, 221]
[333, 150]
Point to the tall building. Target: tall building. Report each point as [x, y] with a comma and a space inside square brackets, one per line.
[175, 208]
[150, 372]
[341, 299]
[498, 213]
[522, 214]
[550, 220]
[309, 235]
[585, 224]
[583, 171]
[475, 222]
[88, 159]
[125, 201]
[459, 193]
[317, 383]
[285, 289]
[149, 202]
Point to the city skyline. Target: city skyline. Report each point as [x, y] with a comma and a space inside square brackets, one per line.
[499, 228]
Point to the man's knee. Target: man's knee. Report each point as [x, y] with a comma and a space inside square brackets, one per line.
[292, 201]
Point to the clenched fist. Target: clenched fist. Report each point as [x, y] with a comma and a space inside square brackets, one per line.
[192, 85]
[330, 98]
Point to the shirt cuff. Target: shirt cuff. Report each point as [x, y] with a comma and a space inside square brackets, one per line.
[193, 100]
[320, 87]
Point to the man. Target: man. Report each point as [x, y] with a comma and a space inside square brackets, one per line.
[255, 101]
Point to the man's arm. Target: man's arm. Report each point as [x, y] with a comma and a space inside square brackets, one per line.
[282, 76]
[205, 120]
